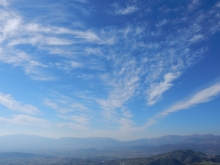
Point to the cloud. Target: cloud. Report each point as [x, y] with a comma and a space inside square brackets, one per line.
[80, 119]
[86, 35]
[194, 4]
[215, 28]
[94, 51]
[17, 32]
[163, 22]
[9, 102]
[76, 64]
[157, 89]
[205, 95]
[74, 126]
[50, 39]
[11, 29]
[127, 10]
[30, 66]
[218, 4]
[76, 122]
[127, 114]
[58, 107]
[11, 26]
[26, 120]
[123, 83]
[81, 1]
[153, 72]
[64, 104]
[3, 2]
[126, 61]
[126, 124]
[197, 38]
[40, 40]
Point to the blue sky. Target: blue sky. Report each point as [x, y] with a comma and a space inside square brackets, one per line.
[121, 69]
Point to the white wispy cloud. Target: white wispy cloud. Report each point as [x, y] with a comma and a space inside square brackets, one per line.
[157, 71]
[11, 26]
[81, 1]
[197, 38]
[123, 83]
[56, 106]
[160, 63]
[16, 32]
[215, 28]
[30, 65]
[127, 10]
[9, 102]
[130, 59]
[26, 120]
[163, 22]
[127, 113]
[53, 39]
[81, 119]
[40, 40]
[74, 126]
[3, 2]
[11, 29]
[218, 4]
[75, 64]
[126, 125]
[202, 96]
[194, 4]
[86, 35]
[64, 104]
[157, 89]
[94, 51]
[76, 122]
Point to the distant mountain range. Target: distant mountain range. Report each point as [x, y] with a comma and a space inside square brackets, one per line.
[209, 144]
[178, 157]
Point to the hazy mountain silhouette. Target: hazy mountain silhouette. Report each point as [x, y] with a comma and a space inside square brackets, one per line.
[16, 155]
[209, 144]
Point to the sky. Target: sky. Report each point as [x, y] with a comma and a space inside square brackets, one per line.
[121, 69]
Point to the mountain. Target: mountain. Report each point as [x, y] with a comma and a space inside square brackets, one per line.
[16, 155]
[174, 139]
[38, 144]
[209, 144]
[178, 157]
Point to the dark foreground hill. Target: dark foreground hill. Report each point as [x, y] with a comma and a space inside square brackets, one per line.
[178, 157]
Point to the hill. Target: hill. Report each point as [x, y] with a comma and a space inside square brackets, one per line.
[83, 147]
[178, 157]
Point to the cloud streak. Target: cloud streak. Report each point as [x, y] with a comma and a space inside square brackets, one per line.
[156, 90]
[9, 102]
[26, 120]
[3, 2]
[64, 104]
[16, 33]
[76, 122]
[202, 96]
[127, 10]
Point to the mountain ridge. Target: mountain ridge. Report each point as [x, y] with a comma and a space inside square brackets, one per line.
[177, 157]
[209, 144]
